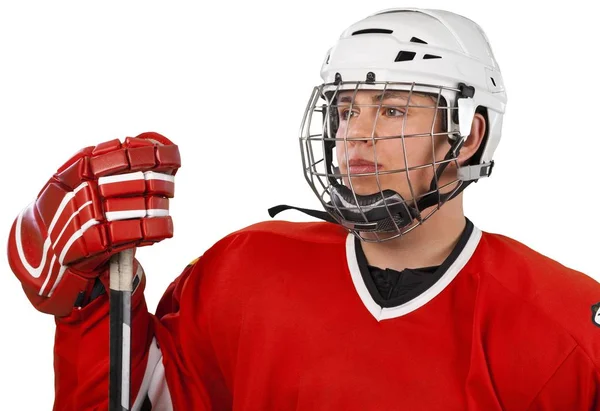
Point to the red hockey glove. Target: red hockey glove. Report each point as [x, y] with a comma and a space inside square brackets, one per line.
[103, 200]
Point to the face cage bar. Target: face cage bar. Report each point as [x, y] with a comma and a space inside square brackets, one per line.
[327, 138]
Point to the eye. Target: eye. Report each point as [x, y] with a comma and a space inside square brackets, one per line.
[393, 112]
[345, 114]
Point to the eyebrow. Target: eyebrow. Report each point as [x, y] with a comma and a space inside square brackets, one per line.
[378, 97]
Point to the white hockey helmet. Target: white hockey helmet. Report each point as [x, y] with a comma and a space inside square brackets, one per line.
[431, 52]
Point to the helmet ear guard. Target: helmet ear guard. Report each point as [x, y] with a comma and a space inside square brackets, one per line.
[465, 109]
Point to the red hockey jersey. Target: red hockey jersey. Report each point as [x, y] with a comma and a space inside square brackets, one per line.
[278, 316]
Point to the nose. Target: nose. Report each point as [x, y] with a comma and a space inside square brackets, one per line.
[360, 128]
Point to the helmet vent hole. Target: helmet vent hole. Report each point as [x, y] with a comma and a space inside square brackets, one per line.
[431, 56]
[373, 31]
[417, 40]
[405, 56]
[493, 82]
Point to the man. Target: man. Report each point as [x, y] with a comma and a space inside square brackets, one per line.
[402, 303]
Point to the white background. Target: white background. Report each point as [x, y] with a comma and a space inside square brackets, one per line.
[228, 82]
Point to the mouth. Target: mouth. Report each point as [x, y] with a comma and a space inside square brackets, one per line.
[359, 166]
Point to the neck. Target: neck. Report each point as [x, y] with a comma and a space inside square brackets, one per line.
[427, 245]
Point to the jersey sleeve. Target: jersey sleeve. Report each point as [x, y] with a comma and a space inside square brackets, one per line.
[173, 365]
[81, 353]
[188, 375]
[575, 385]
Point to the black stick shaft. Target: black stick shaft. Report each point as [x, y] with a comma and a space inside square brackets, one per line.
[121, 273]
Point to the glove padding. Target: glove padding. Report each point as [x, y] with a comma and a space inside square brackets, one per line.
[105, 199]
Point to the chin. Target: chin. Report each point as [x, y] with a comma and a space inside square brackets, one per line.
[365, 188]
[367, 185]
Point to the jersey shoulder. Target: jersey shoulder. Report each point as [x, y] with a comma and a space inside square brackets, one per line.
[279, 232]
[264, 243]
[252, 269]
[314, 232]
[567, 299]
[267, 241]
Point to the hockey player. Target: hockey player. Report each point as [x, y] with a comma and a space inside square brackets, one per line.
[398, 302]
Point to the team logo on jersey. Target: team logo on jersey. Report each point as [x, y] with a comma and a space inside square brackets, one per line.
[596, 314]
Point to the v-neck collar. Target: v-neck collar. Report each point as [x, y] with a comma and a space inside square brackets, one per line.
[381, 309]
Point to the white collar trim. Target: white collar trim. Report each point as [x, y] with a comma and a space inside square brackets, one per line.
[381, 313]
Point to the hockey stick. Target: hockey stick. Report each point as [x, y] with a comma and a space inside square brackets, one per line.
[121, 278]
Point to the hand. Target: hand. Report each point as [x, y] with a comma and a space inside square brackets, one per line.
[105, 199]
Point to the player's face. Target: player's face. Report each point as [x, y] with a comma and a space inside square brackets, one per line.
[393, 118]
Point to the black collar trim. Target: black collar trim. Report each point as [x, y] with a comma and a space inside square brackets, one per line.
[429, 281]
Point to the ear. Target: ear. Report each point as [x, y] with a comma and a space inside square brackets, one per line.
[474, 140]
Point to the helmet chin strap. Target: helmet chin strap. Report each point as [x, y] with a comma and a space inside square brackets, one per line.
[381, 211]
[384, 211]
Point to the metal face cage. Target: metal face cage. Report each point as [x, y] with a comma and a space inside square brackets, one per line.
[385, 212]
